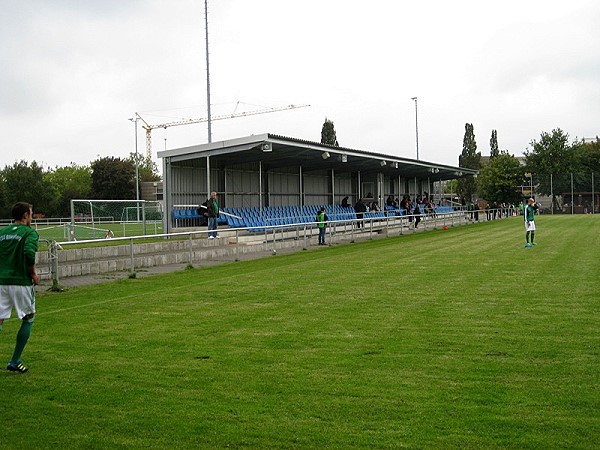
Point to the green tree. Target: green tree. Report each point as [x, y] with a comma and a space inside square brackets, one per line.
[551, 154]
[25, 182]
[588, 155]
[551, 161]
[147, 169]
[328, 135]
[470, 158]
[499, 180]
[113, 179]
[4, 207]
[494, 145]
[69, 182]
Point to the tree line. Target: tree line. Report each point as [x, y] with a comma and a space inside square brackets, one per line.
[549, 161]
[51, 190]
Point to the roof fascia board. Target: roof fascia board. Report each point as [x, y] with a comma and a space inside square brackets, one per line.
[202, 148]
[215, 152]
[248, 142]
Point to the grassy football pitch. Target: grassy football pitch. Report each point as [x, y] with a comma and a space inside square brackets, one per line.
[60, 233]
[441, 339]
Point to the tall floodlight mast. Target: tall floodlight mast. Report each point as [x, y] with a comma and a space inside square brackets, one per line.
[416, 124]
[208, 117]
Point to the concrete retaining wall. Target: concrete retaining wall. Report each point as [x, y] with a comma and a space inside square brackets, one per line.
[115, 258]
[231, 246]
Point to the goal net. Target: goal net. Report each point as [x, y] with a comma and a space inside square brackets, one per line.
[114, 218]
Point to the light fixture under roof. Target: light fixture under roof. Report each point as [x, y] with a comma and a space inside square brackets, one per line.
[325, 155]
[382, 163]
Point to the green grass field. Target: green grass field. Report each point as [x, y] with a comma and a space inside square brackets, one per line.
[442, 339]
[60, 233]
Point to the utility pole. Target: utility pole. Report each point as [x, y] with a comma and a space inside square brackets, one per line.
[416, 124]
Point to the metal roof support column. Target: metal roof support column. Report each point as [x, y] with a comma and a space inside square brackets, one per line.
[333, 187]
[399, 187]
[167, 195]
[300, 192]
[260, 201]
[225, 184]
[268, 192]
[359, 185]
[381, 190]
[208, 177]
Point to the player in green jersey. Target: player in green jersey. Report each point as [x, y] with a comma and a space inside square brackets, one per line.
[18, 246]
[529, 214]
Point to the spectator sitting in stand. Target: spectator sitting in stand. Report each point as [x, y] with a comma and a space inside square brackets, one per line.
[432, 208]
[391, 202]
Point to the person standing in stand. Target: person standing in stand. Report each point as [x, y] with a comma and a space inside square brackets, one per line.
[360, 208]
[18, 246]
[417, 214]
[322, 225]
[212, 212]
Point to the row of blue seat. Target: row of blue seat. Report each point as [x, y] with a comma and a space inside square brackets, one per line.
[286, 215]
[190, 214]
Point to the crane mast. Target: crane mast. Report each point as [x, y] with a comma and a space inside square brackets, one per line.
[148, 127]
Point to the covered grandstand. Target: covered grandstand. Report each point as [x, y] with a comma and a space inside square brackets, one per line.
[278, 179]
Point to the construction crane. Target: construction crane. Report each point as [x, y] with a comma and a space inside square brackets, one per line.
[148, 127]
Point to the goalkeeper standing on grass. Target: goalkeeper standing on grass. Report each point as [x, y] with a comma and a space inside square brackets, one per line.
[18, 246]
[529, 214]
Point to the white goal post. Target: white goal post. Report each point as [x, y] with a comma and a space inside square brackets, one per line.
[104, 214]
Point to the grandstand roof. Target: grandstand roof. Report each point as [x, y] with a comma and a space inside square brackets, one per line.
[279, 151]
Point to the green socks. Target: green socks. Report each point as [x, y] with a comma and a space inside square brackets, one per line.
[22, 338]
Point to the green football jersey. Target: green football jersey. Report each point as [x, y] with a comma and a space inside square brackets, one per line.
[18, 246]
[530, 211]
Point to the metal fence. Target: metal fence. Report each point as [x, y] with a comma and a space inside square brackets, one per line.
[566, 193]
[275, 237]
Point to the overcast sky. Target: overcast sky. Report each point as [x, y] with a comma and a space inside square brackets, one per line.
[72, 72]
